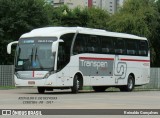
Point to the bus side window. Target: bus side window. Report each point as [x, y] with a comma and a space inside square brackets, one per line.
[131, 47]
[143, 50]
[61, 61]
[107, 45]
[64, 50]
[79, 45]
[93, 44]
[120, 46]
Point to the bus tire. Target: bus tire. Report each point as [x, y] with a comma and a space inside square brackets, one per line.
[41, 90]
[130, 84]
[75, 87]
[99, 88]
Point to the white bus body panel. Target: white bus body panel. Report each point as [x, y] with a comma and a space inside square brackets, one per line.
[121, 67]
[118, 68]
[54, 80]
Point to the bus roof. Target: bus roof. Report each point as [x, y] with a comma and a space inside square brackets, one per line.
[58, 31]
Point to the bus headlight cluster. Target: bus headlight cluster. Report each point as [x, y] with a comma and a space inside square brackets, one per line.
[17, 75]
[47, 75]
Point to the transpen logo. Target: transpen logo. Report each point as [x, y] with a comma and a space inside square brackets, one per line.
[96, 64]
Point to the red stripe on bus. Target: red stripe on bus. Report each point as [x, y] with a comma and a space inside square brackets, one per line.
[93, 58]
[137, 60]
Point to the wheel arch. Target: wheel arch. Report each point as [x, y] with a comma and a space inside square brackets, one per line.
[80, 79]
[132, 74]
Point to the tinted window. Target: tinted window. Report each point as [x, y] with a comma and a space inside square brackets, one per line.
[120, 46]
[64, 50]
[107, 45]
[143, 48]
[93, 44]
[131, 46]
[86, 44]
[79, 44]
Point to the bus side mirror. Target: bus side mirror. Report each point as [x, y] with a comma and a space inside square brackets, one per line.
[10, 45]
[55, 45]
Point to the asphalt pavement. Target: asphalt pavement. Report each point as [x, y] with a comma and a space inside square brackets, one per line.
[28, 98]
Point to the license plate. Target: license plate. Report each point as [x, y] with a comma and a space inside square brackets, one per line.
[31, 82]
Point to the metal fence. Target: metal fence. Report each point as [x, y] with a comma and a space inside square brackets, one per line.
[7, 71]
[6, 75]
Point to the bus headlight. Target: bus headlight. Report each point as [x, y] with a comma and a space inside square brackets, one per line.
[47, 75]
[17, 75]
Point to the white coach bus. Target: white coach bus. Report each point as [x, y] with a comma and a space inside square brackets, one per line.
[73, 57]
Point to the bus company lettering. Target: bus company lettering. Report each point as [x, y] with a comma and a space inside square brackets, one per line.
[97, 64]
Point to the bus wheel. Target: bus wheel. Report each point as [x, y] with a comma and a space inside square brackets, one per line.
[130, 84]
[75, 84]
[99, 88]
[41, 90]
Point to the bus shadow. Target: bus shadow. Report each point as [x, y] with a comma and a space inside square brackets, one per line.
[70, 93]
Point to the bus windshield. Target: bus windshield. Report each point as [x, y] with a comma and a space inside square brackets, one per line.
[35, 54]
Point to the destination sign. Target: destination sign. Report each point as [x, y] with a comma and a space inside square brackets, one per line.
[37, 40]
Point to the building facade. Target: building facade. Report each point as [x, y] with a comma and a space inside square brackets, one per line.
[110, 5]
[70, 3]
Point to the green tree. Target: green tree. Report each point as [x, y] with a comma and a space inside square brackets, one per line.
[18, 17]
[97, 18]
[63, 16]
[137, 17]
[156, 39]
[75, 17]
[57, 15]
[84, 17]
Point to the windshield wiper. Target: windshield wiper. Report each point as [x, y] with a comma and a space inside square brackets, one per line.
[37, 58]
